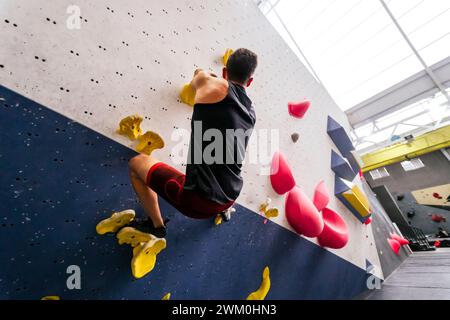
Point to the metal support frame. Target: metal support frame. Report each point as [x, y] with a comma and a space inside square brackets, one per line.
[417, 54]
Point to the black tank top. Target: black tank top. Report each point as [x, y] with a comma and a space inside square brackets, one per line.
[218, 175]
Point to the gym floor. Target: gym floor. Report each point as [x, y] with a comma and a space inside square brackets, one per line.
[423, 276]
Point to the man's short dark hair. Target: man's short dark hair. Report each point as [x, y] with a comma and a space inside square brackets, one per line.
[241, 65]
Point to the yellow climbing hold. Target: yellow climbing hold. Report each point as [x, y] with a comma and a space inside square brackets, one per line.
[115, 222]
[265, 205]
[144, 256]
[51, 298]
[271, 213]
[218, 219]
[130, 127]
[187, 95]
[226, 56]
[261, 293]
[149, 142]
[132, 236]
[166, 297]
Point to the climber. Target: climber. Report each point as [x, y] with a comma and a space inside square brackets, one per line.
[206, 189]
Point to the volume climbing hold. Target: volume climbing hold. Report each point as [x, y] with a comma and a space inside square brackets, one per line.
[149, 142]
[130, 127]
[187, 95]
[144, 256]
[115, 222]
[401, 240]
[281, 176]
[321, 196]
[395, 245]
[298, 109]
[302, 215]
[132, 236]
[335, 231]
[264, 288]
[226, 56]
[166, 297]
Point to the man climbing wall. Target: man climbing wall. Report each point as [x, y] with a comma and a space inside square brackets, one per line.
[213, 179]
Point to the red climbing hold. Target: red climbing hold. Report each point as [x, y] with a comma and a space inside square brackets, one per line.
[302, 215]
[335, 231]
[298, 109]
[437, 244]
[401, 240]
[321, 196]
[281, 175]
[368, 221]
[395, 245]
[438, 218]
[437, 196]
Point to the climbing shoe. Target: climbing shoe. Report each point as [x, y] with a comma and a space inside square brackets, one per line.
[132, 236]
[115, 222]
[144, 256]
[226, 215]
[146, 226]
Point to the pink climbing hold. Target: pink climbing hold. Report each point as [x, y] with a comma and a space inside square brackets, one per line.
[302, 215]
[298, 109]
[321, 196]
[335, 231]
[368, 221]
[281, 175]
[395, 245]
[401, 240]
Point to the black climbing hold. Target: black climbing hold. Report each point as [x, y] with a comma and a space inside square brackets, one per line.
[295, 137]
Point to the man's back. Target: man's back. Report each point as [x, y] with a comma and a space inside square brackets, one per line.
[219, 138]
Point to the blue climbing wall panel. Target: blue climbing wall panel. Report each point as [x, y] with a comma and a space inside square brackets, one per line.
[59, 178]
[341, 168]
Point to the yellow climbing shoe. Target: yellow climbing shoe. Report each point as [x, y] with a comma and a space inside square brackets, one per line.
[148, 142]
[261, 293]
[130, 127]
[187, 95]
[144, 256]
[132, 236]
[115, 222]
[226, 56]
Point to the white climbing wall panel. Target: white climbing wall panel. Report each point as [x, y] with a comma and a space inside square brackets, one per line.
[134, 56]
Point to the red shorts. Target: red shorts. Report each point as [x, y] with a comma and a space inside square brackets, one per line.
[168, 183]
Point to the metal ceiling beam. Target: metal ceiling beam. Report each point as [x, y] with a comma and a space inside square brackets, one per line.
[403, 94]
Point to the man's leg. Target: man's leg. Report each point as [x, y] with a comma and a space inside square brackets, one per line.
[139, 167]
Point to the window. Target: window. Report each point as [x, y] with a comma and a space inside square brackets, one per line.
[413, 164]
[379, 173]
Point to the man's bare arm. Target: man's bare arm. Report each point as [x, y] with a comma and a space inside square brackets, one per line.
[208, 88]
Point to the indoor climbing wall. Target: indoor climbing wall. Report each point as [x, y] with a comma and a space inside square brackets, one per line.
[101, 61]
